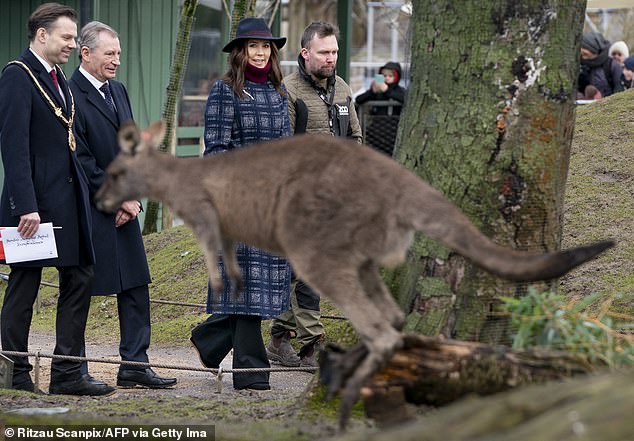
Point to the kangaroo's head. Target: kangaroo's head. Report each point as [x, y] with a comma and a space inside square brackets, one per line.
[129, 176]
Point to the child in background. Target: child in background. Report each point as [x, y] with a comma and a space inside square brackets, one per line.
[619, 52]
[381, 132]
[386, 89]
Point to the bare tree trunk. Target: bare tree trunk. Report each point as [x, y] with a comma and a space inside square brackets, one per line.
[177, 73]
[241, 9]
[489, 122]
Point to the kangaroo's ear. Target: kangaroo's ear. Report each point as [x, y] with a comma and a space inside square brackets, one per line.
[129, 138]
[154, 133]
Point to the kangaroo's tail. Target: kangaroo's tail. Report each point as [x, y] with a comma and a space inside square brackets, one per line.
[456, 231]
[524, 267]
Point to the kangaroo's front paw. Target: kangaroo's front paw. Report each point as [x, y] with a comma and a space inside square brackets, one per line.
[336, 365]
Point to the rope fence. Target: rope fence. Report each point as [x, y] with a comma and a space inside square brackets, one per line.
[218, 373]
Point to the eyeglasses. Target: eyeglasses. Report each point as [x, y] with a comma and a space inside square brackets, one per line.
[618, 54]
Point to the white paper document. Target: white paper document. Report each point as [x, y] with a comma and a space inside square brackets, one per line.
[40, 246]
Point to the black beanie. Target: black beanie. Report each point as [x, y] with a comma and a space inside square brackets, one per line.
[594, 42]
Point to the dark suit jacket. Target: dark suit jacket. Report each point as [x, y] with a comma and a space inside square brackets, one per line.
[120, 255]
[41, 173]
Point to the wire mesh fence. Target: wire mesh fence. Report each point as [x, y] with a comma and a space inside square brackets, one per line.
[379, 124]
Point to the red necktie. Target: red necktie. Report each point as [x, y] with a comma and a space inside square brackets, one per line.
[54, 75]
[57, 88]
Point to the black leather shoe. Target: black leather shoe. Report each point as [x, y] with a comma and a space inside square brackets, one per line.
[92, 380]
[256, 386]
[145, 378]
[80, 387]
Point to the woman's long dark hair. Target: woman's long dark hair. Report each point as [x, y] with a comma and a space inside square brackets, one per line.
[238, 64]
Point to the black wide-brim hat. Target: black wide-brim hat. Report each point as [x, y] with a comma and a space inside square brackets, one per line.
[252, 28]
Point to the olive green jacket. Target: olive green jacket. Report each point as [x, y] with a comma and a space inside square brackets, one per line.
[298, 87]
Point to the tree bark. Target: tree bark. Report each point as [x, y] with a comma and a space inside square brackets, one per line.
[597, 407]
[241, 9]
[435, 371]
[489, 122]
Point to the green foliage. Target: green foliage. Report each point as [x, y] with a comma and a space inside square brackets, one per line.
[546, 319]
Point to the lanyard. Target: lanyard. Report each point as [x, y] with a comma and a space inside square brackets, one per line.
[322, 94]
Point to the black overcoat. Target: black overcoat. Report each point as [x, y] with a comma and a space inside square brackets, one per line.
[120, 255]
[41, 173]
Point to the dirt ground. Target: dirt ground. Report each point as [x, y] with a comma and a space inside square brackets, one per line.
[195, 400]
[190, 383]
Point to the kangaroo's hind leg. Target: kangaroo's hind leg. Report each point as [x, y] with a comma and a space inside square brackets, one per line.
[341, 283]
[378, 293]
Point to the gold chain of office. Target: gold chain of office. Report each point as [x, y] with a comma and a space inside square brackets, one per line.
[56, 109]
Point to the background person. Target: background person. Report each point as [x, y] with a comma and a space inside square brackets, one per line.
[597, 68]
[627, 78]
[319, 101]
[248, 105]
[388, 89]
[121, 266]
[619, 52]
[44, 182]
[381, 132]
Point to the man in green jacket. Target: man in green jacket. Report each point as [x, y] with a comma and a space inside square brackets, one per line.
[319, 101]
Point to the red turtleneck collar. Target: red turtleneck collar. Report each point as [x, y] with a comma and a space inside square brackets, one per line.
[257, 74]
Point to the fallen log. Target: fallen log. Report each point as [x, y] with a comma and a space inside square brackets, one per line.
[437, 371]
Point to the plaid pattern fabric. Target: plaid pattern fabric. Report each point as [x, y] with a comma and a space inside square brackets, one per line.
[234, 122]
[267, 281]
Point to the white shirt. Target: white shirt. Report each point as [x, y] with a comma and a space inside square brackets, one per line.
[49, 68]
[94, 81]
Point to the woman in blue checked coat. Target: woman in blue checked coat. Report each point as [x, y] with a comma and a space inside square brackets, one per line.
[248, 105]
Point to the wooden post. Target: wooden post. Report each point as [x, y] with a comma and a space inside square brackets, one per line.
[6, 372]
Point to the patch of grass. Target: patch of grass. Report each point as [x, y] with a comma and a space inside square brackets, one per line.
[237, 418]
[599, 201]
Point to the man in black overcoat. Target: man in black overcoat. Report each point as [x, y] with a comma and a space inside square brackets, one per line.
[121, 266]
[44, 182]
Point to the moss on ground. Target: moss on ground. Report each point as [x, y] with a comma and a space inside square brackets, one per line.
[268, 419]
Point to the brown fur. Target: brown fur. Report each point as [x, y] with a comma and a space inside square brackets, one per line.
[338, 211]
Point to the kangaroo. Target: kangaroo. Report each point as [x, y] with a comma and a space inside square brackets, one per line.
[338, 211]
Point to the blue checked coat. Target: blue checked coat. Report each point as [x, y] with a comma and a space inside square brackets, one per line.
[233, 122]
